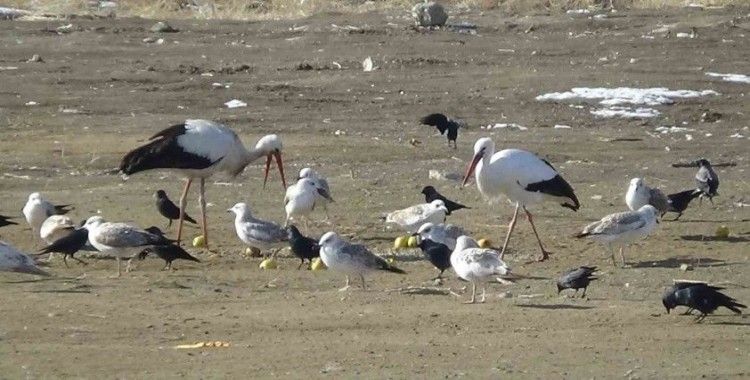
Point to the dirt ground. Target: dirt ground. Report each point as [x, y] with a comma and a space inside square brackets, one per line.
[101, 91]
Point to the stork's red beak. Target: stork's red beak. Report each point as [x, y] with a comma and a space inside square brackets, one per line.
[472, 166]
[279, 162]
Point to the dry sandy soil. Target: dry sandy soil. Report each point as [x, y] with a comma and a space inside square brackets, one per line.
[102, 91]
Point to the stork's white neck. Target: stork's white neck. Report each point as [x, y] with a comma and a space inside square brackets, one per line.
[481, 171]
[250, 155]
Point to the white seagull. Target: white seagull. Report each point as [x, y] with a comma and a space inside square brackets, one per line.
[256, 233]
[639, 195]
[621, 229]
[411, 218]
[302, 197]
[477, 265]
[351, 259]
[13, 260]
[121, 240]
[322, 182]
[55, 227]
[197, 149]
[523, 178]
[445, 234]
[37, 210]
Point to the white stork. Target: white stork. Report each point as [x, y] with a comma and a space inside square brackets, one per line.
[523, 178]
[198, 149]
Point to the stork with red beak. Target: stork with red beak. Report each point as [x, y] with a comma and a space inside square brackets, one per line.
[523, 178]
[197, 149]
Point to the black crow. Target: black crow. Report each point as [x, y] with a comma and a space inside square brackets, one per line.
[168, 209]
[430, 194]
[707, 180]
[699, 296]
[438, 254]
[678, 202]
[168, 253]
[69, 244]
[302, 246]
[576, 278]
[443, 124]
[5, 221]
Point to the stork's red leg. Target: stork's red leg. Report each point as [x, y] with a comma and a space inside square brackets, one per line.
[511, 226]
[183, 203]
[545, 253]
[202, 200]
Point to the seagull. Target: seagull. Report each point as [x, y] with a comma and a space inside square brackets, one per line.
[168, 209]
[411, 218]
[639, 194]
[302, 246]
[37, 210]
[168, 253]
[55, 227]
[443, 124]
[68, 245]
[257, 233]
[302, 197]
[707, 180]
[5, 221]
[576, 278]
[622, 228]
[430, 194]
[351, 259]
[120, 240]
[322, 182]
[523, 178]
[445, 234]
[678, 202]
[475, 264]
[13, 260]
[699, 296]
[438, 254]
[157, 231]
[197, 149]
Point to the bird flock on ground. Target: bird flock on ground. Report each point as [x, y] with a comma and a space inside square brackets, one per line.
[199, 149]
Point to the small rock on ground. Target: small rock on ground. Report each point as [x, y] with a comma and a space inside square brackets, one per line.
[163, 27]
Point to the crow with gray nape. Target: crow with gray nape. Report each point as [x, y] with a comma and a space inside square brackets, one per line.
[699, 296]
[443, 124]
[706, 179]
[168, 253]
[302, 246]
[576, 278]
[431, 194]
[678, 202]
[168, 209]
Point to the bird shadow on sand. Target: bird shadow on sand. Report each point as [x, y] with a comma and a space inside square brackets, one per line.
[675, 262]
[41, 279]
[557, 307]
[730, 239]
[732, 323]
[705, 220]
